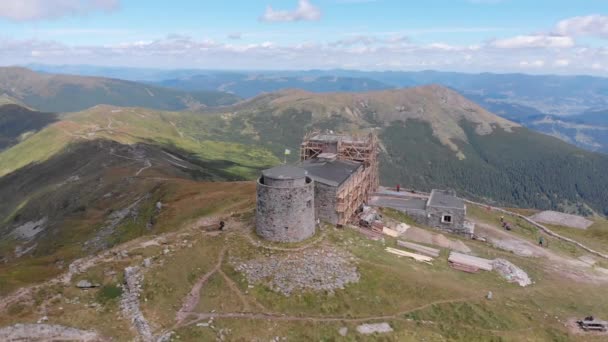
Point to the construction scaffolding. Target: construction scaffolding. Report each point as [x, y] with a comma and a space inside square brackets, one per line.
[352, 147]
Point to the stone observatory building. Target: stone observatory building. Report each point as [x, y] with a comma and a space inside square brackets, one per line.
[336, 175]
[285, 204]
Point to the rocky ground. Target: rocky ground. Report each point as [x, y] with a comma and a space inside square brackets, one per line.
[46, 332]
[316, 269]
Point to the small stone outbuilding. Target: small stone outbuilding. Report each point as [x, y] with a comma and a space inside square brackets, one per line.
[447, 212]
[442, 210]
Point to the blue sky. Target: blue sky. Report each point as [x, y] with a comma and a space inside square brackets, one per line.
[559, 36]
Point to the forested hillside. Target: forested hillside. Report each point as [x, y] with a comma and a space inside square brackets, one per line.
[432, 138]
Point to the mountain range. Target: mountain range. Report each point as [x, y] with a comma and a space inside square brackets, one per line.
[68, 93]
[74, 183]
[548, 104]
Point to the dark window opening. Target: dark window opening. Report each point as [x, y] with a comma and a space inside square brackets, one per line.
[446, 219]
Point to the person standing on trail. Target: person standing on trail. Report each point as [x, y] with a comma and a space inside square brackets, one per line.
[541, 241]
[398, 187]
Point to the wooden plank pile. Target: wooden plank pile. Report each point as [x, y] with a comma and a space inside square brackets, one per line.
[432, 252]
[417, 257]
[468, 263]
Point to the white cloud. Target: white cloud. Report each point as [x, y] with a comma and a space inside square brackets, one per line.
[178, 51]
[235, 36]
[591, 25]
[355, 40]
[534, 41]
[532, 64]
[305, 11]
[23, 10]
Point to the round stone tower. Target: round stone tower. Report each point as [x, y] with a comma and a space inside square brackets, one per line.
[285, 204]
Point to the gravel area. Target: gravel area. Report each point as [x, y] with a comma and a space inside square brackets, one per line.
[316, 269]
[561, 219]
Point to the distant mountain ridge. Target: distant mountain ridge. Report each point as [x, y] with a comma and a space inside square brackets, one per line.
[432, 137]
[588, 130]
[68, 93]
[510, 95]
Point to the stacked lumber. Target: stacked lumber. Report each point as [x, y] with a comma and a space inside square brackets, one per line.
[390, 232]
[463, 261]
[377, 226]
[432, 252]
[370, 234]
[417, 257]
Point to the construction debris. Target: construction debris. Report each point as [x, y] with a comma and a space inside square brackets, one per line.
[417, 257]
[469, 263]
[367, 329]
[432, 252]
[511, 272]
[369, 218]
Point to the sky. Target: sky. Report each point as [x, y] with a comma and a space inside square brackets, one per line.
[529, 36]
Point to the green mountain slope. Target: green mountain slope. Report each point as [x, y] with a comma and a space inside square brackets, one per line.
[66, 93]
[432, 137]
[17, 122]
[94, 179]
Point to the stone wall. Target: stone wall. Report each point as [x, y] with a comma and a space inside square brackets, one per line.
[285, 214]
[456, 226]
[418, 215]
[325, 203]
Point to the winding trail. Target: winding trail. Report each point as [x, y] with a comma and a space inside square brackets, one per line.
[281, 317]
[193, 298]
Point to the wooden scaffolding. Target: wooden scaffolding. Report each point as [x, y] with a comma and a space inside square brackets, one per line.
[359, 148]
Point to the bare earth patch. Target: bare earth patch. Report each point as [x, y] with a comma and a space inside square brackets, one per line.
[561, 219]
[316, 269]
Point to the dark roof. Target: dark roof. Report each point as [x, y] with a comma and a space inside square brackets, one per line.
[445, 199]
[331, 173]
[285, 172]
[403, 204]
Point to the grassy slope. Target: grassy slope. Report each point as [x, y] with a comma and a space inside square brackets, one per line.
[436, 302]
[17, 122]
[35, 172]
[131, 125]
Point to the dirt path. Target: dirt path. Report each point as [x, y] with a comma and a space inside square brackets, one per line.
[567, 267]
[194, 296]
[282, 317]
